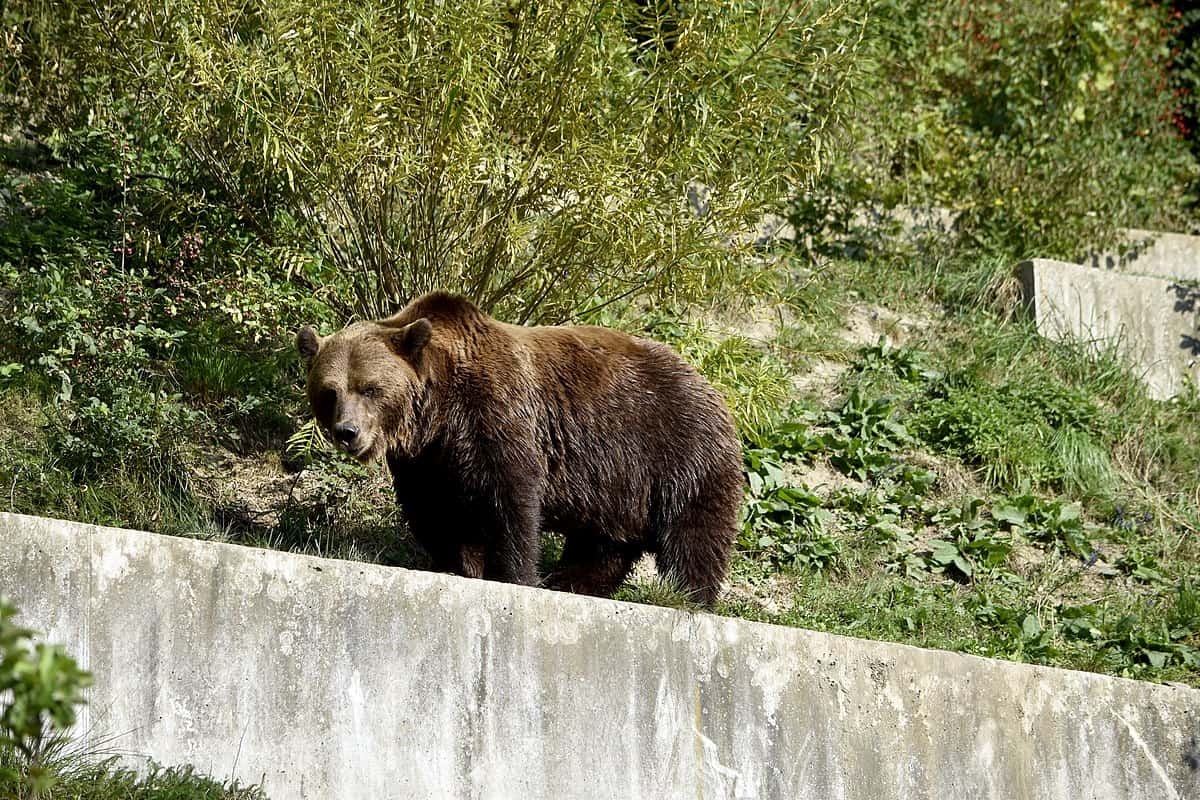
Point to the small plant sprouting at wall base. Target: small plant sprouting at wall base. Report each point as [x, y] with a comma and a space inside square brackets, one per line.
[40, 688]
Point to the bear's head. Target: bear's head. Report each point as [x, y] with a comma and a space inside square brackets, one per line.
[367, 385]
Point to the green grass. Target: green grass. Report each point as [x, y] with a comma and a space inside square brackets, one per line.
[79, 778]
[1055, 523]
[658, 591]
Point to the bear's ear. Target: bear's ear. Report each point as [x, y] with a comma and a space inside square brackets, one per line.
[308, 343]
[410, 340]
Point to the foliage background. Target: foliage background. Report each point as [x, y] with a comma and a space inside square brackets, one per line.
[1045, 126]
[536, 156]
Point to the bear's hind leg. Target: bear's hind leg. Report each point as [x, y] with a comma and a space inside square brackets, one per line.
[592, 566]
[694, 547]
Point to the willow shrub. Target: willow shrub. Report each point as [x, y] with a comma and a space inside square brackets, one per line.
[537, 156]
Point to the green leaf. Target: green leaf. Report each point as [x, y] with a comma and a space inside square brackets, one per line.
[943, 553]
[1157, 658]
[1009, 514]
[1069, 512]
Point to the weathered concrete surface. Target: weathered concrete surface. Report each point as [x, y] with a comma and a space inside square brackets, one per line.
[1165, 255]
[329, 679]
[1153, 321]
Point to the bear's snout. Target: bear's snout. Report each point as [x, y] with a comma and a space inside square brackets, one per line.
[345, 433]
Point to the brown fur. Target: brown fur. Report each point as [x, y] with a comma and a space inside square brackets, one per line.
[494, 432]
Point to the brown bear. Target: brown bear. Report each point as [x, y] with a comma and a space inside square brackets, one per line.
[495, 432]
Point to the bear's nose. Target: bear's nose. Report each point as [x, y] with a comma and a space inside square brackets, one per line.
[345, 433]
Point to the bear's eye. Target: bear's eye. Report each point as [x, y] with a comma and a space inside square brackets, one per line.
[371, 392]
[327, 401]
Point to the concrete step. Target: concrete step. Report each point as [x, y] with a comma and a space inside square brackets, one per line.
[1164, 255]
[1151, 320]
[333, 679]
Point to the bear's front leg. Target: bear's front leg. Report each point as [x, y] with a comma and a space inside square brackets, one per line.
[450, 542]
[505, 475]
[511, 541]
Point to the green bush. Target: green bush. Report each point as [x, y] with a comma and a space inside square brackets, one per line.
[1045, 125]
[134, 302]
[784, 524]
[45, 685]
[1031, 430]
[535, 156]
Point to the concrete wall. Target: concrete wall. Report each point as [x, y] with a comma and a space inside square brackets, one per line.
[1152, 320]
[1165, 255]
[330, 679]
